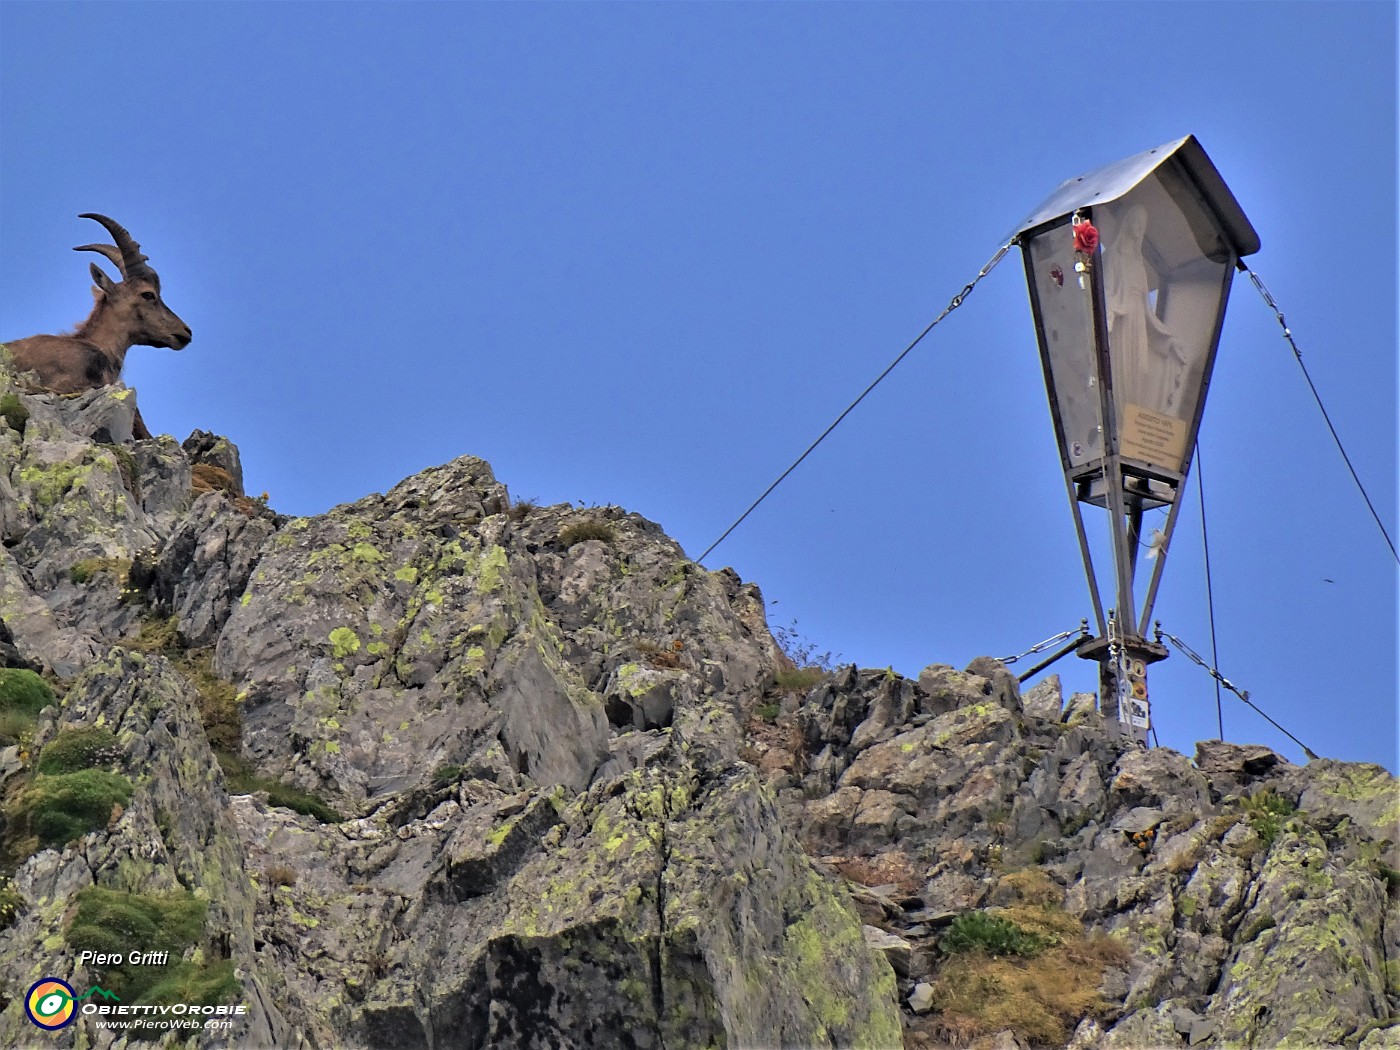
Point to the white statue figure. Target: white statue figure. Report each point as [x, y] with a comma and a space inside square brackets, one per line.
[1149, 362]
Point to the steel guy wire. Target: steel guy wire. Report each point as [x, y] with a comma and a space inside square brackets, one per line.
[1243, 694]
[953, 305]
[1297, 353]
[1210, 590]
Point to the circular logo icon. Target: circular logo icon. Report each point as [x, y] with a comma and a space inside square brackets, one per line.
[50, 1003]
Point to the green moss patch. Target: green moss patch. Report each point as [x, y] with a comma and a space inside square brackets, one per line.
[212, 984]
[22, 690]
[76, 749]
[113, 922]
[13, 412]
[23, 694]
[58, 809]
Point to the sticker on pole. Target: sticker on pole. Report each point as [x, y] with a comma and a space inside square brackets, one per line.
[1137, 715]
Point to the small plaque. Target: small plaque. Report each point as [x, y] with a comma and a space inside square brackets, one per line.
[1153, 437]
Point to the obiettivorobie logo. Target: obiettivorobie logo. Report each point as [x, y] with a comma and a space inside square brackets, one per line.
[52, 1004]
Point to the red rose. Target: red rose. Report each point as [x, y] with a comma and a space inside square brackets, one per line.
[1086, 238]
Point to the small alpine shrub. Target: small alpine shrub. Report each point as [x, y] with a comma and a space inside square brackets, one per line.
[802, 651]
[157, 635]
[445, 775]
[219, 710]
[1266, 812]
[978, 931]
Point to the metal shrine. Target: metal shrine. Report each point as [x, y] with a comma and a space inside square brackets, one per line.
[1129, 269]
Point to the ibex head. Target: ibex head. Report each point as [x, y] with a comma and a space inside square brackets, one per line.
[126, 313]
[134, 305]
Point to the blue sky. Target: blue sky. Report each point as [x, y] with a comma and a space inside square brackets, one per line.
[643, 254]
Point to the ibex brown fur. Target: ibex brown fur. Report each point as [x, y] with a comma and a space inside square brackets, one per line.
[126, 314]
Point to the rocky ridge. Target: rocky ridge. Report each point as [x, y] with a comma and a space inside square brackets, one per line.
[436, 769]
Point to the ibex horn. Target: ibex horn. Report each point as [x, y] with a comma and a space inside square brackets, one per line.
[131, 262]
[107, 250]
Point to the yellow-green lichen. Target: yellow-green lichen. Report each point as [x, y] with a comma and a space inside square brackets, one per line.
[493, 564]
[343, 641]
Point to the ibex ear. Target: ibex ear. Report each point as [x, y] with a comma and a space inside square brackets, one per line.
[103, 282]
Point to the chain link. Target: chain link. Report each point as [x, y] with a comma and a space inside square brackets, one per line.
[1040, 647]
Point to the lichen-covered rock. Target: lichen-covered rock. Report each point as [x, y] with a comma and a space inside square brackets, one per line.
[203, 567]
[441, 771]
[174, 834]
[1309, 967]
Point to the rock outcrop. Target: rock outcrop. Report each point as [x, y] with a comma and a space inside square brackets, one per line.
[438, 770]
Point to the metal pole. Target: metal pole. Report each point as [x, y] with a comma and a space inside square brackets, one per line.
[1156, 578]
[1086, 555]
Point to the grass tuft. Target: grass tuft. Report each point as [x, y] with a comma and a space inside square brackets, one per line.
[589, 529]
[85, 570]
[241, 780]
[11, 901]
[113, 922]
[1267, 810]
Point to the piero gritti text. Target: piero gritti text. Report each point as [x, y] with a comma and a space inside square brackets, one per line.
[120, 959]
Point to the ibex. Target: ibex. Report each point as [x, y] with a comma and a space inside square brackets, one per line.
[125, 314]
